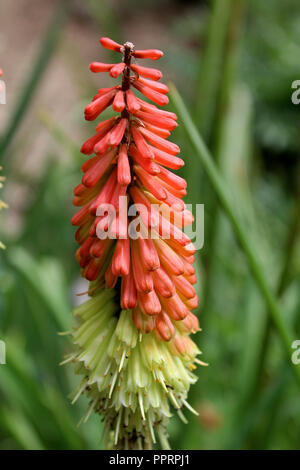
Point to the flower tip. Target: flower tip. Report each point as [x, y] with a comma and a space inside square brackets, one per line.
[93, 67]
[83, 149]
[97, 67]
[153, 54]
[110, 44]
[116, 70]
[164, 327]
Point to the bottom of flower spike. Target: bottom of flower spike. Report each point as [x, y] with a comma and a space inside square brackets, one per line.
[131, 379]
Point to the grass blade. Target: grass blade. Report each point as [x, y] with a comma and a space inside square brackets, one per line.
[221, 190]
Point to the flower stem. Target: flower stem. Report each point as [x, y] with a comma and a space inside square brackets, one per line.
[283, 281]
[228, 72]
[211, 65]
[220, 187]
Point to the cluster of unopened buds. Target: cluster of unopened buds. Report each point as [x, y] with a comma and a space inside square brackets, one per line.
[134, 351]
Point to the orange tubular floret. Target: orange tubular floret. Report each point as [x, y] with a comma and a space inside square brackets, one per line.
[153, 95]
[149, 303]
[164, 327]
[149, 256]
[156, 120]
[142, 278]
[163, 283]
[121, 258]
[144, 323]
[124, 175]
[159, 87]
[119, 102]
[97, 67]
[132, 102]
[128, 292]
[110, 44]
[146, 72]
[116, 70]
[153, 54]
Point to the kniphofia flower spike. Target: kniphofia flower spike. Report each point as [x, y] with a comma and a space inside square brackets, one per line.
[134, 350]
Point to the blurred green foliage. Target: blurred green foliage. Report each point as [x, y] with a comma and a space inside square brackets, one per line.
[247, 398]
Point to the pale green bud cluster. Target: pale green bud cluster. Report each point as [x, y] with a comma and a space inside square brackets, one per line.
[130, 378]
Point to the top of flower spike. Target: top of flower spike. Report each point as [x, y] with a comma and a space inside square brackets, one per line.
[122, 99]
[153, 54]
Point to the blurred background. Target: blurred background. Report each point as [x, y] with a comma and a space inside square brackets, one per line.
[234, 62]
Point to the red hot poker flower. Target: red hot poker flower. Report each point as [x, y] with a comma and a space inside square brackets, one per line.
[131, 157]
[133, 347]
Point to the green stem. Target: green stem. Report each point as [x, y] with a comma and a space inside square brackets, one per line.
[289, 250]
[58, 133]
[253, 391]
[292, 237]
[229, 70]
[265, 402]
[290, 246]
[210, 70]
[47, 49]
[234, 10]
[221, 190]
